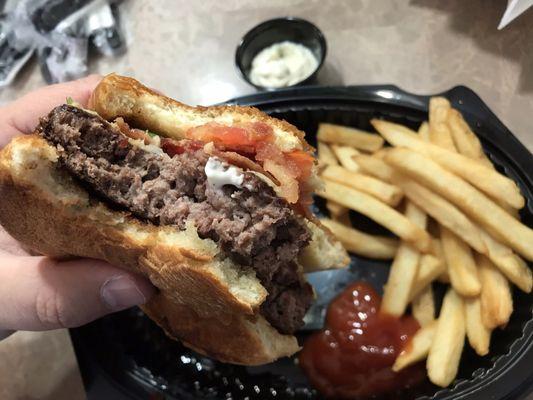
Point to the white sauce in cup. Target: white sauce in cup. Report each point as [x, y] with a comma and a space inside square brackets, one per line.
[282, 64]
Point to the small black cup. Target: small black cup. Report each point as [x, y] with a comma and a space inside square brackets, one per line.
[277, 30]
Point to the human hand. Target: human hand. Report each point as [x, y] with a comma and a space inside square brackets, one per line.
[39, 293]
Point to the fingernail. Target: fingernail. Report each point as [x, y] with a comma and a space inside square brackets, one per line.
[120, 292]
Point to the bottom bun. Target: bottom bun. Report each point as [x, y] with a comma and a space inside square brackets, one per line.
[204, 299]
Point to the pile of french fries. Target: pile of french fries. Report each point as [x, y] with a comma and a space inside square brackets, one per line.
[456, 220]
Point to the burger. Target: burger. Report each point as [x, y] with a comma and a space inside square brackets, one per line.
[211, 204]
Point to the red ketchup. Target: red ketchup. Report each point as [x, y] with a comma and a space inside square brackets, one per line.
[352, 357]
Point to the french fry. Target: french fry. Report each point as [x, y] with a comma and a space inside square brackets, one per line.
[423, 131]
[465, 140]
[465, 196]
[439, 114]
[344, 135]
[417, 349]
[442, 211]
[345, 154]
[449, 216]
[441, 136]
[429, 269]
[423, 306]
[381, 153]
[477, 333]
[488, 180]
[326, 155]
[509, 263]
[448, 342]
[387, 193]
[461, 265]
[439, 133]
[471, 148]
[378, 247]
[379, 212]
[335, 209]
[496, 298]
[436, 105]
[403, 269]
[374, 166]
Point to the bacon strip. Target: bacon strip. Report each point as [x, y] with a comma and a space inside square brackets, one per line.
[238, 160]
[132, 133]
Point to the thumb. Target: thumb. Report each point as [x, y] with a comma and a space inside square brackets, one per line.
[46, 294]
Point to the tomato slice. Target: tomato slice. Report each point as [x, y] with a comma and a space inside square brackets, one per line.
[243, 138]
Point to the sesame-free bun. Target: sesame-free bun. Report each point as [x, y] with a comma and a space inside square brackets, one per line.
[120, 96]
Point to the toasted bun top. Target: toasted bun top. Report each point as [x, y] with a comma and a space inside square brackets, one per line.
[119, 96]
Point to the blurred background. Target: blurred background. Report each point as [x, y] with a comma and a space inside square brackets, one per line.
[187, 50]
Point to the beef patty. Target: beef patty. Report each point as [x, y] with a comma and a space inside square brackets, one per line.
[252, 225]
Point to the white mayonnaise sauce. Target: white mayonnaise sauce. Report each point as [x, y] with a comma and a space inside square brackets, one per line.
[220, 173]
[282, 64]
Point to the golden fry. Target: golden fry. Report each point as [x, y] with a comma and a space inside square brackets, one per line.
[423, 306]
[417, 349]
[461, 265]
[345, 154]
[371, 246]
[403, 270]
[488, 180]
[440, 135]
[344, 135]
[375, 166]
[423, 131]
[385, 192]
[442, 211]
[509, 263]
[473, 202]
[438, 109]
[379, 212]
[477, 333]
[448, 342]
[429, 269]
[465, 140]
[326, 155]
[496, 298]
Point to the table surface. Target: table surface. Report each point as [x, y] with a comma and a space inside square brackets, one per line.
[186, 50]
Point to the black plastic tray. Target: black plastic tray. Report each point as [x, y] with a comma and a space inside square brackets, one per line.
[126, 356]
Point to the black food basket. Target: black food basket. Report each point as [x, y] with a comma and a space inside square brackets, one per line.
[126, 356]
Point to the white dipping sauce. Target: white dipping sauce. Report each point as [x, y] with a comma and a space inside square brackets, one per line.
[219, 174]
[282, 64]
